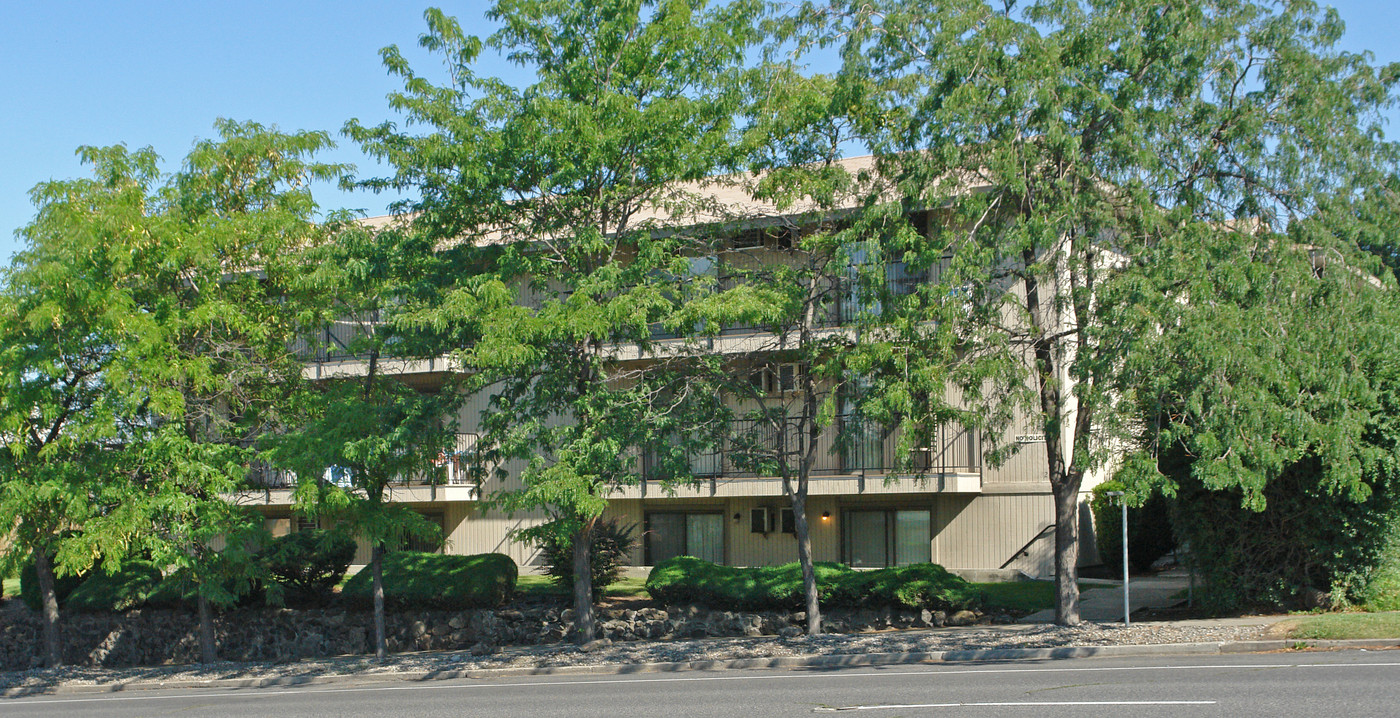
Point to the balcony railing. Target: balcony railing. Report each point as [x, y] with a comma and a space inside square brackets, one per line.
[844, 304]
[452, 469]
[333, 342]
[752, 448]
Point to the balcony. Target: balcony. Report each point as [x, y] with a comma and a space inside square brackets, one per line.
[755, 448]
[841, 304]
[451, 470]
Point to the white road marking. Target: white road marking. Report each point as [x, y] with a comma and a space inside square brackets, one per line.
[1039, 704]
[275, 691]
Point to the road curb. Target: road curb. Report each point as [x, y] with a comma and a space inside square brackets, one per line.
[848, 660]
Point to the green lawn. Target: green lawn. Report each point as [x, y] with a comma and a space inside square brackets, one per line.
[1021, 596]
[535, 585]
[11, 587]
[1337, 626]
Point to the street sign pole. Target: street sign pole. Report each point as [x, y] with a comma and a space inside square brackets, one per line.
[1123, 502]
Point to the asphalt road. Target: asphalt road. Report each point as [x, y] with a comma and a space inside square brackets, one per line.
[1350, 683]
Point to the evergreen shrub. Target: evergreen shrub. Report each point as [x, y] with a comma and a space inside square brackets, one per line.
[305, 566]
[124, 590]
[686, 579]
[416, 580]
[612, 544]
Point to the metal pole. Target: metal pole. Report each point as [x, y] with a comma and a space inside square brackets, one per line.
[1123, 502]
[1126, 609]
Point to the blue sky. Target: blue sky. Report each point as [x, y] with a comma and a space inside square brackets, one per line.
[159, 73]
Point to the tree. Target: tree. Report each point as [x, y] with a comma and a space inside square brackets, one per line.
[151, 344]
[1272, 423]
[358, 433]
[561, 200]
[213, 262]
[65, 417]
[1062, 143]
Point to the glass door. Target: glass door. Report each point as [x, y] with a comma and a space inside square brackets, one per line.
[680, 534]
[705, 536]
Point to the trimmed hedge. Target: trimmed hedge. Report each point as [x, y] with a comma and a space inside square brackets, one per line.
[417, 580]
[114, 592]
[925, 585]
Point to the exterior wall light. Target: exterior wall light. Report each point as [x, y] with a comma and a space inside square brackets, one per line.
[826, 516]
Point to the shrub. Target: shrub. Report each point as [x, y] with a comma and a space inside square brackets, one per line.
[124, 590]
[29, 586]
[921, 585]
[612, 544]
[179, 592]
[306, 566]
[433, 581]
[1382, 592]
[690, 580]
[1310, 544]
[1149, 529]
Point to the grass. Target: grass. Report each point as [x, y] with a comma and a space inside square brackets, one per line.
[11, 586]
[1340, 626]
[532, 585]
[1021, 596]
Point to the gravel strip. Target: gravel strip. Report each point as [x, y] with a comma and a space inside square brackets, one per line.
[977, 637]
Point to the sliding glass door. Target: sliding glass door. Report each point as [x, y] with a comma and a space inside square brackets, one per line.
[886, 537]
[685, 534]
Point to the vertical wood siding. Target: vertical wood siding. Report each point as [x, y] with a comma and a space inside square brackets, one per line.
[984, 531]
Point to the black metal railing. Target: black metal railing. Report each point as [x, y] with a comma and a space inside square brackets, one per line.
[752, 448]
[337, 341]
[451, 469]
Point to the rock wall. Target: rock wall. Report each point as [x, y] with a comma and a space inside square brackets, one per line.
[159, 637]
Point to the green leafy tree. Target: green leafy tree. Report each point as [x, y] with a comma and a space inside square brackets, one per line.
[67, 415]
[1063, 144]
[1268, 406]
[358, 433]
[214, 262]
[157, 345]
[561, 199]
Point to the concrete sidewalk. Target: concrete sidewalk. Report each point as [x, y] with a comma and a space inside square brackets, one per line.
[1105, 604]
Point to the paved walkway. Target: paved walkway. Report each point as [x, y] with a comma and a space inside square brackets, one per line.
[1106, 603]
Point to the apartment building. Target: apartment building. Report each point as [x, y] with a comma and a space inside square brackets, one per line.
[868, 505]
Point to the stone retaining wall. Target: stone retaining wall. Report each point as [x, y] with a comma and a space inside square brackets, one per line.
[158, 637]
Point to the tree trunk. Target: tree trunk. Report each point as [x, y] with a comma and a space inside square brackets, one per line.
[804, 557]
[43, 568]
[376, 565]
[207, 651]
[1066, 553]
[1064, 481]
[584, 628]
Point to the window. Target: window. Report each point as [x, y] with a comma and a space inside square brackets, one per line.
[673, 534]
[338, 476]
[773, 237]
[774, 379]
[881, 538]
[788, 521]
[428, 545]
[758, 521]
